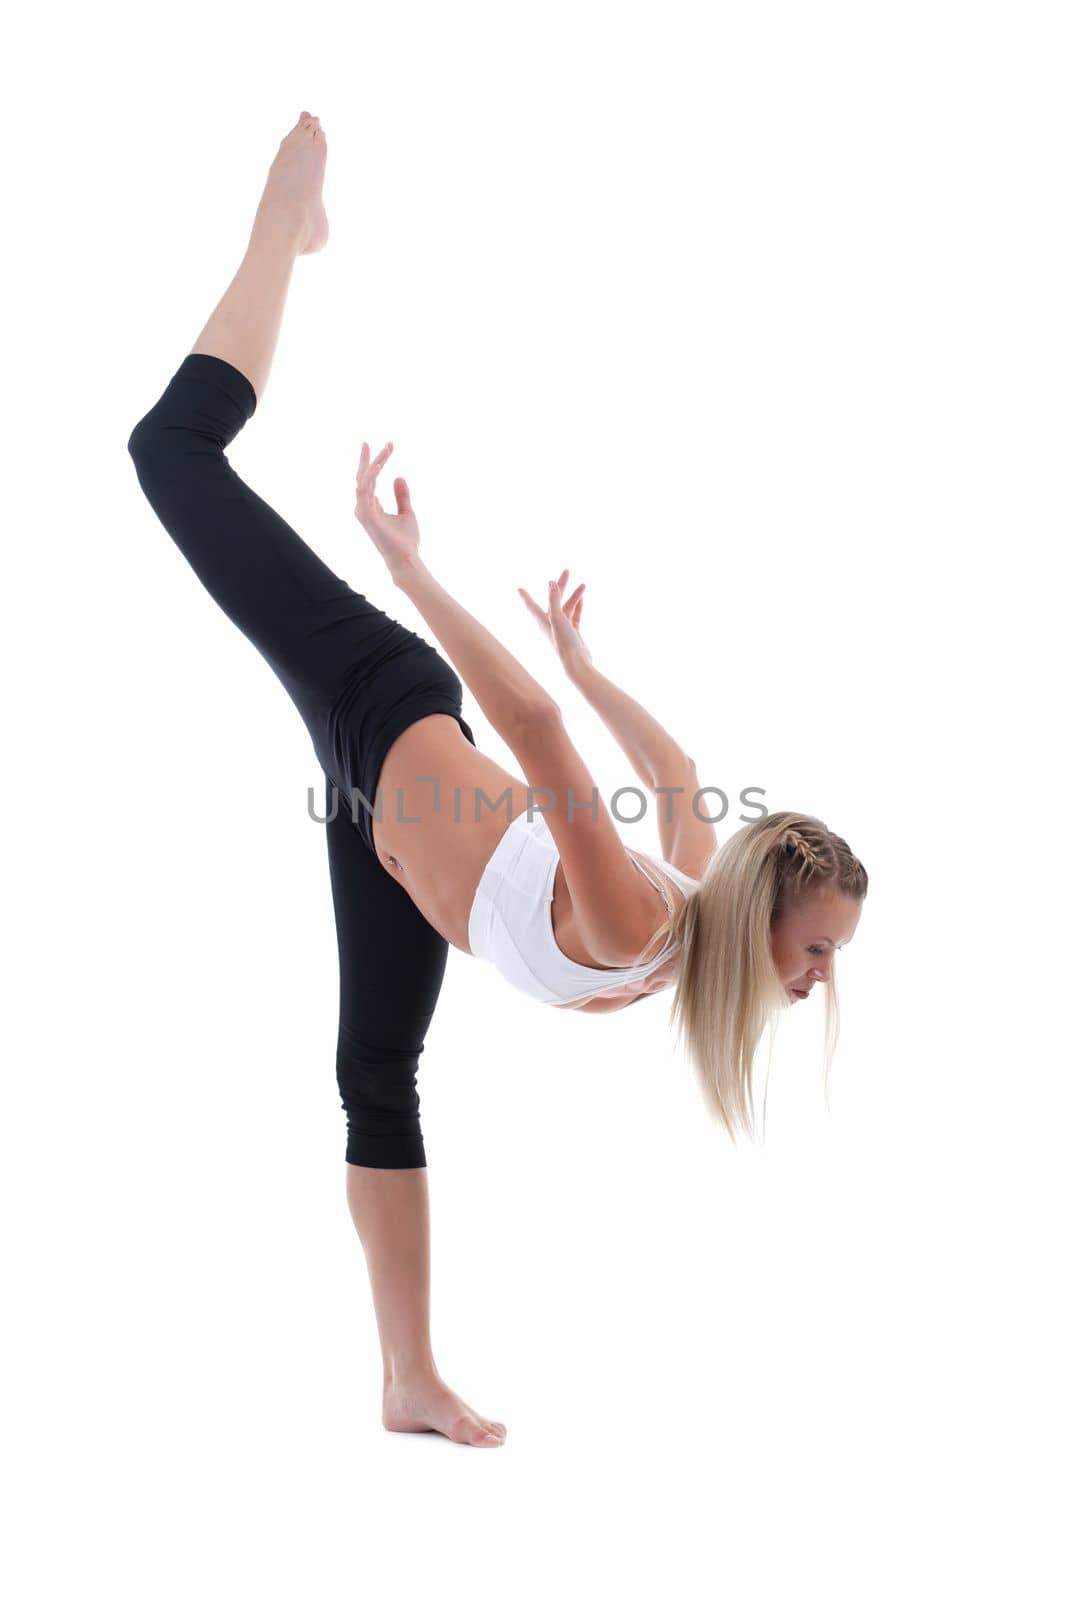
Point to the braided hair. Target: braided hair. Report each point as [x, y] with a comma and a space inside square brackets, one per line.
[806, 855]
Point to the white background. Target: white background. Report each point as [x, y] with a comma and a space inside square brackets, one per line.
[753, 317]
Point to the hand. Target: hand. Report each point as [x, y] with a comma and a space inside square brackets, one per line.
[560, 623]
[396, 537]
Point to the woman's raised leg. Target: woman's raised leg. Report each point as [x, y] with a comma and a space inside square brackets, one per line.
[317, 633]
[290, 221]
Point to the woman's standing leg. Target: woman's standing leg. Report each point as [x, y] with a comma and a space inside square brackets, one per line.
[392, 964]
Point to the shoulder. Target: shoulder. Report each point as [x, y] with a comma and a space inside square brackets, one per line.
[665, 900]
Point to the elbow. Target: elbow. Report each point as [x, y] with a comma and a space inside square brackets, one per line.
[675, 768]
[540, 711]
[531, 726]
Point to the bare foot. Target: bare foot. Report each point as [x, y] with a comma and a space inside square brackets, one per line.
[428, 1405]
[294, 183]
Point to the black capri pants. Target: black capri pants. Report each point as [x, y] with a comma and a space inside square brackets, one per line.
[358, 678]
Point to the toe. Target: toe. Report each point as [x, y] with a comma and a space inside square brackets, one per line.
[468, 1430]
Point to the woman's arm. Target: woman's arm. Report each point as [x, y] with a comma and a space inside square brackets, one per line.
[654, 755]
[687, 836]
[503, 688]
[501, 685]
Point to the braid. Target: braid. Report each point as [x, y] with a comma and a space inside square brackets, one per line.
[801, 858]
[807, 853]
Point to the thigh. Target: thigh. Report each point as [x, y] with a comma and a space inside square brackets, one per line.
[391, 968]
[312, 628]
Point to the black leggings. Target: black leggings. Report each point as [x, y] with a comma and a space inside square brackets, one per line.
[358, 679]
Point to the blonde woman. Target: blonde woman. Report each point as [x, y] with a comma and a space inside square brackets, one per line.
[519, 870]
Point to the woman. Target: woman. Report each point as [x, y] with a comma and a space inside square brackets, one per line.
[551, 897]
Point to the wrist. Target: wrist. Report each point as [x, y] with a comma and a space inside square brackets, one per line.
[581, 673]
[407, 571]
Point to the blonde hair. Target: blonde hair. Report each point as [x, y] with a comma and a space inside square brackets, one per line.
[728, 988]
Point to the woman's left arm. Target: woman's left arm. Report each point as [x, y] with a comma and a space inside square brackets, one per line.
[687, 836]
[655, 756]
[506, 692]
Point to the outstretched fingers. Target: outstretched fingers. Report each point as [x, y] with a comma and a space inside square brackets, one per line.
[571, 608]
[369, 470]
[568, 606]
[531, 605]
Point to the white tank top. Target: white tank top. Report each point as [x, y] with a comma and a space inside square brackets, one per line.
[510, 920]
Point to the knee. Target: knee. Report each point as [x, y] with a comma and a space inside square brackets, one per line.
[149, 442]
[141, 438]
[166, 453]
[381, 1103]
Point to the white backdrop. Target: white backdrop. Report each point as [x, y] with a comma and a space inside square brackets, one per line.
[752, 317]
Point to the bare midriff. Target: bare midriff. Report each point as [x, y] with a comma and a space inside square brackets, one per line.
[439, 852]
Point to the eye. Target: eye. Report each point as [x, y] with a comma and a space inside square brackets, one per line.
[813, 950]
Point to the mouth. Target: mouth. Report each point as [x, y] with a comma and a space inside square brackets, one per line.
[801, 994]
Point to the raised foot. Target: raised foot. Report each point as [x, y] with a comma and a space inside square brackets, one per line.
[430, 1406]
[293, 190]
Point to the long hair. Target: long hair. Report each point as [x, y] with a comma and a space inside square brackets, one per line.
[728, 988]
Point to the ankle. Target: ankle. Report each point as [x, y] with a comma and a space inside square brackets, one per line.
[409, 1372]
[279, 228]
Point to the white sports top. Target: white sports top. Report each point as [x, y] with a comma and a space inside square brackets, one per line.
[510, 920]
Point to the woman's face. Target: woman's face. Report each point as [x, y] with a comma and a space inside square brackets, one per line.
[804, 938]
